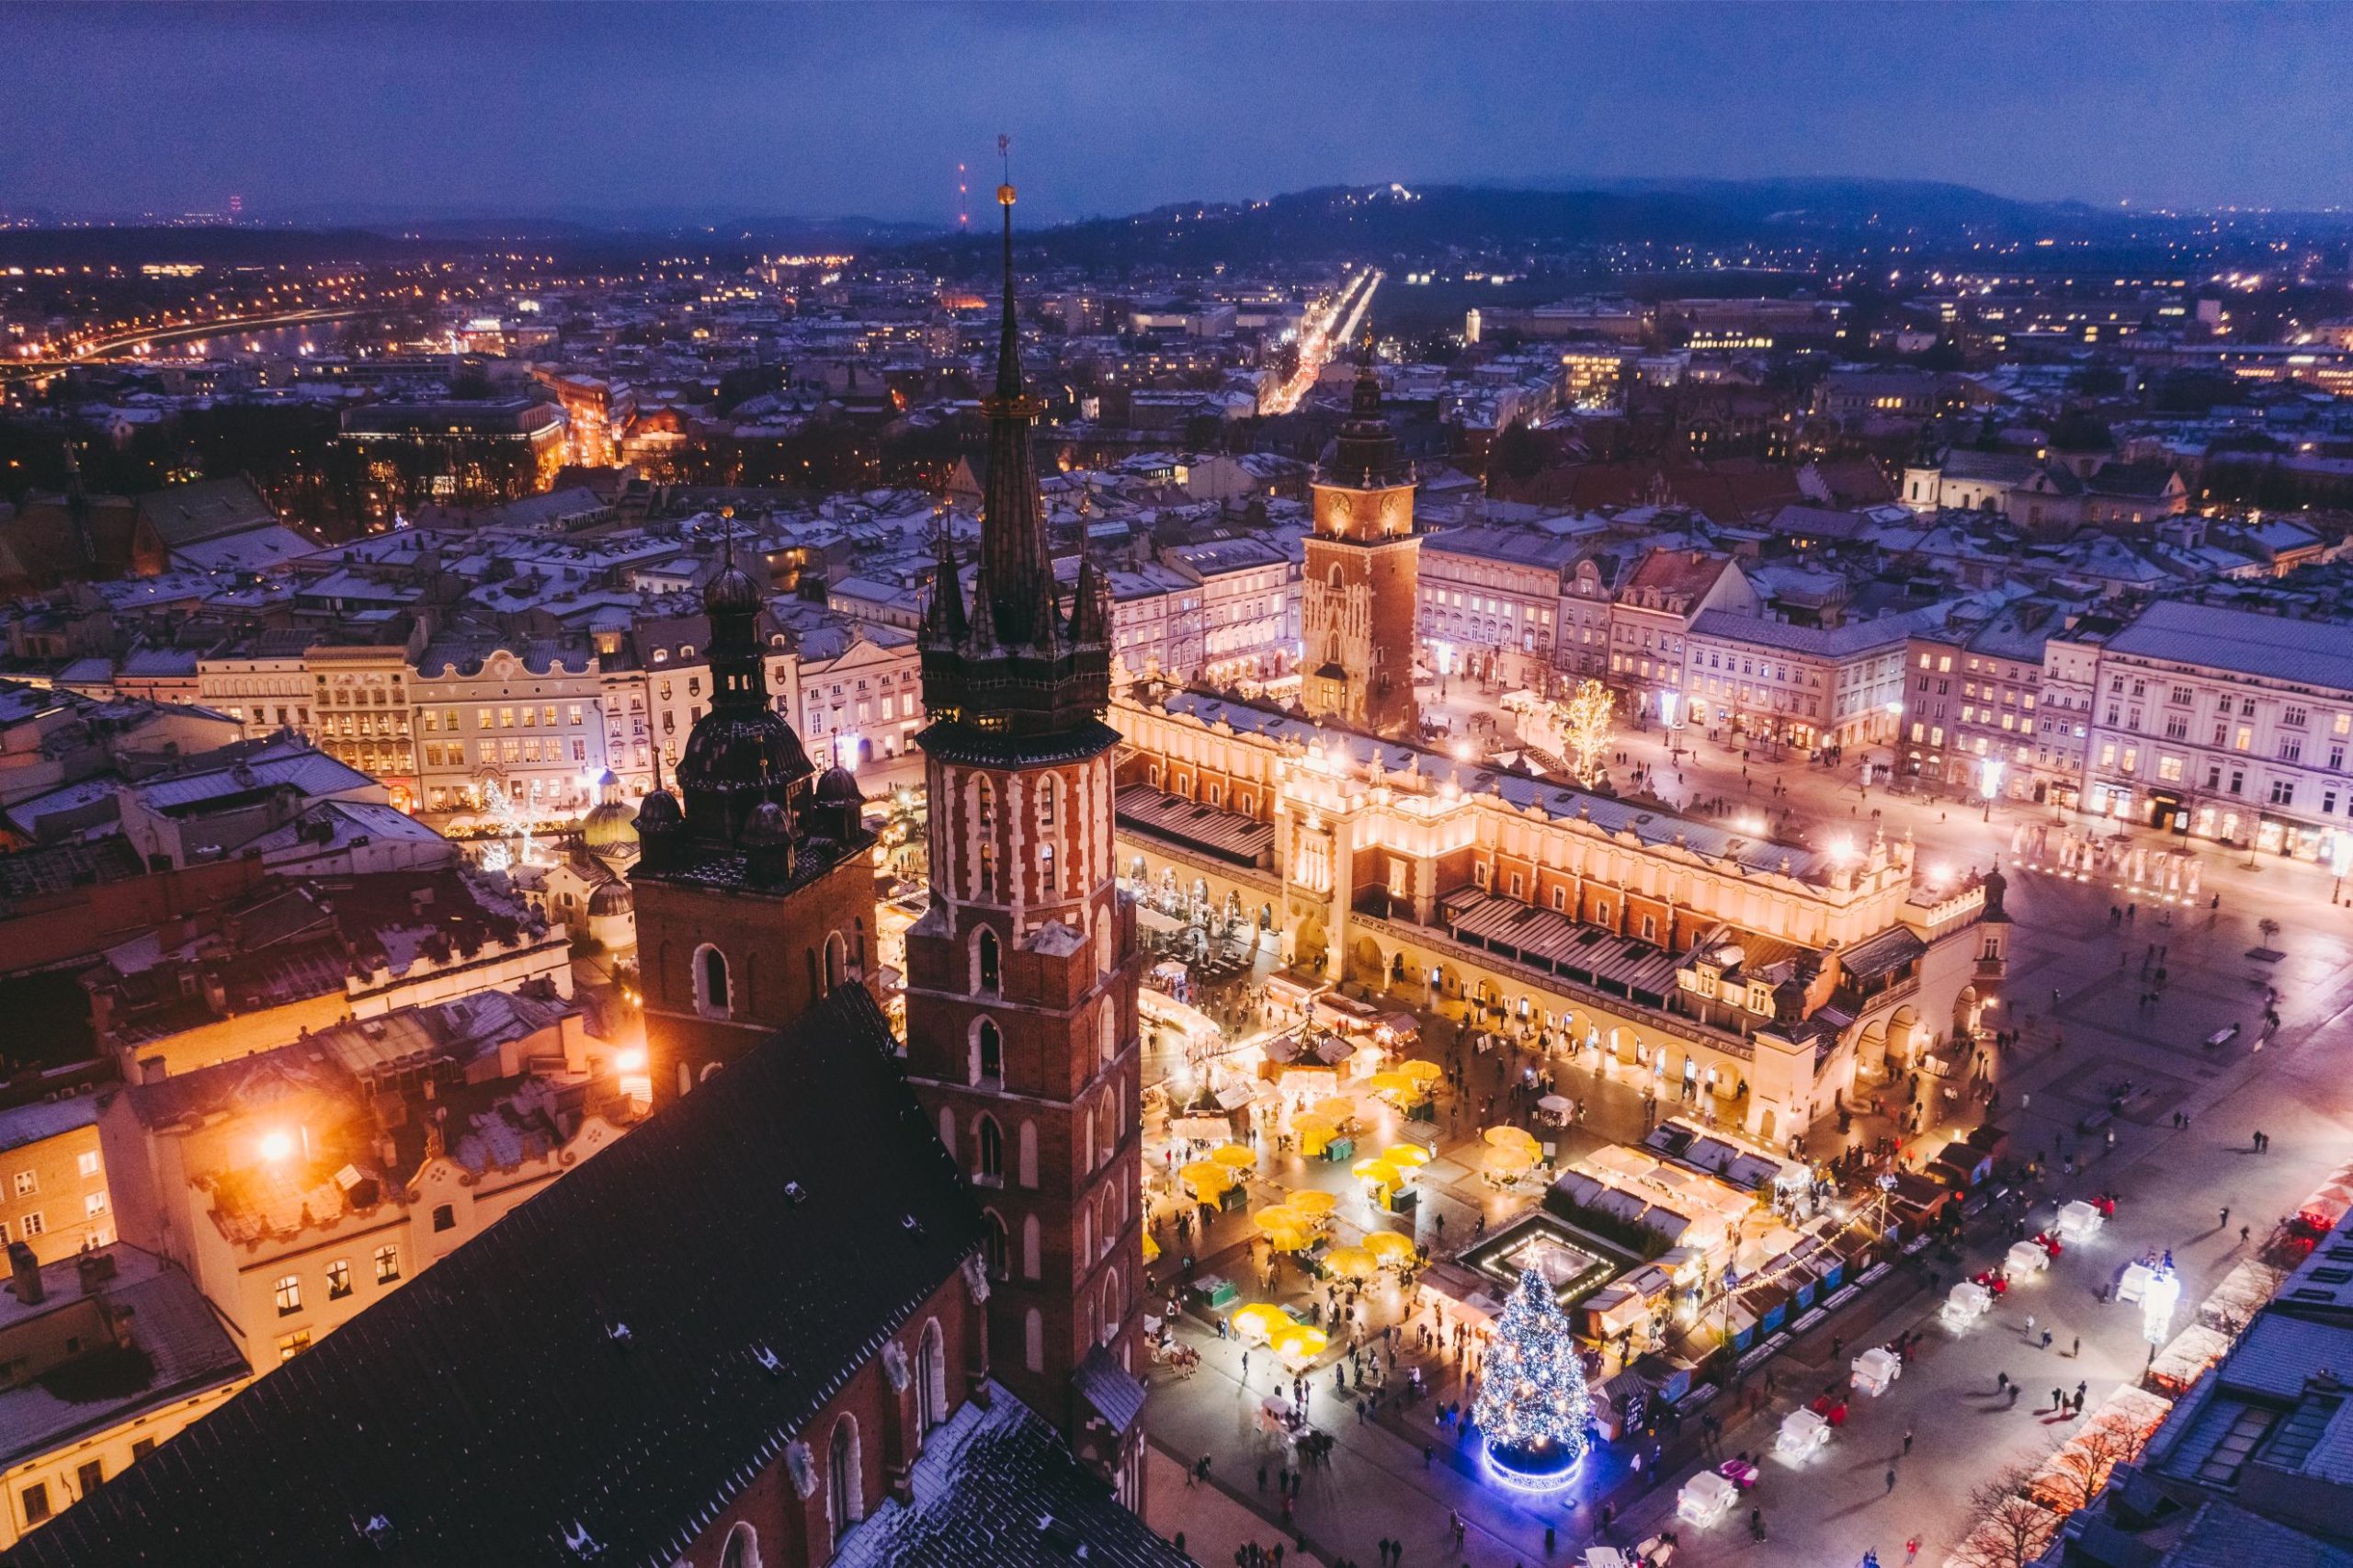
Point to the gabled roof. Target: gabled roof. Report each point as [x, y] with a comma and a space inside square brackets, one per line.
[190, 514]
[995, 1486]
[620, 1355]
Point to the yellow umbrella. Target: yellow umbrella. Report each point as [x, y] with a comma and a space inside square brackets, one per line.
[1512, 1138]
[1235, 1156]
[1260, 1322]
[1336, 1109]
[1300, 1341]
[1509, 1159]
[1421, 1072]
[1392, 1083]
[1151, 1247]
[1389, 1246]
[1205, 1178]
[1312, 1203]
[1285, 1230]
[1381, 1173]
[1354, 1262]
[1406, 1157]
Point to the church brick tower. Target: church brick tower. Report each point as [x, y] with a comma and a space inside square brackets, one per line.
[1359, 584]
[1022, 973]
[758, 897]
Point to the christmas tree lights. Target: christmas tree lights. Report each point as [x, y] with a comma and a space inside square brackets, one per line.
[1533, 1407]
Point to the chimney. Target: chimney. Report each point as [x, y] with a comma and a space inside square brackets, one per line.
[24, 1273]
[152, 1069]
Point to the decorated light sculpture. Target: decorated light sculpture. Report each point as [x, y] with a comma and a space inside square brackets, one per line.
[1533, 1408]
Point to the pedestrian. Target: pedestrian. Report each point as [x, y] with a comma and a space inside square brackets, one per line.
[2001, 1381]
[2077, 1353]
[1890, 1478]
[2046, 1339]
[2029, 1334]
[1428, 1453]
[2058, 1400]
[1912, 1549]
[1907, 1440]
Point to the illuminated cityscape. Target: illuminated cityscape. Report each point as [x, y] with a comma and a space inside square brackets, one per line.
[1306, 846]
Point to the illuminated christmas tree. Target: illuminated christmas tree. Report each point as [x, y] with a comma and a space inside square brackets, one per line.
[1533, 1408]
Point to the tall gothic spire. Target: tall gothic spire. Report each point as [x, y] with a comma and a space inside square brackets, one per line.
[1012, 515]
[1008, 332]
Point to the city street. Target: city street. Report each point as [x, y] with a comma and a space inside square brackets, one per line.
[2172, 1183]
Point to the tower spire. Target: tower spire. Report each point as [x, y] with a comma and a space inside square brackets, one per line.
[1008, 337]
[1013, 514]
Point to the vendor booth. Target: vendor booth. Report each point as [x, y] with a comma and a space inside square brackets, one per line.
[2134, 1283]
[2024, 1260]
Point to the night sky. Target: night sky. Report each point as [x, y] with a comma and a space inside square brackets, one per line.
[718, 111]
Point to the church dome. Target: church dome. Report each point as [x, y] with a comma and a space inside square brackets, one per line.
[733, 591]
[609, 830]
[612, 898]
[737, 757]
[658, 814]
[839, 787]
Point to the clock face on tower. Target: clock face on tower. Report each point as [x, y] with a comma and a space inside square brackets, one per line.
[1343, 511]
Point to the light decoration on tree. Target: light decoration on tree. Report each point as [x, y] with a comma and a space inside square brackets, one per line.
[1584, 728]
[503, 810]
[1533, 1408]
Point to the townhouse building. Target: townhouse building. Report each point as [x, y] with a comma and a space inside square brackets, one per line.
[1651, 617]
[1248, 586]
[1490, 602]
[2226, 724]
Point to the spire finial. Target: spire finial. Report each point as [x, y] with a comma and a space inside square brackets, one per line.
[1009, 346]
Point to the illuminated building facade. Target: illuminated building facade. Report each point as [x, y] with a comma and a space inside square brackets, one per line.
[1754, 977]
[2226, 724]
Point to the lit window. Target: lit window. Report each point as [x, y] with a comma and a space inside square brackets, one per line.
[388, 1264]
[338, 1280]
[289, 1291]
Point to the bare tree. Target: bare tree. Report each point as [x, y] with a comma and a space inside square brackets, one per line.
[2011, 1530]
[2074, 1476]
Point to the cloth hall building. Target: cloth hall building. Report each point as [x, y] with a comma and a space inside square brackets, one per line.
[1762, 976]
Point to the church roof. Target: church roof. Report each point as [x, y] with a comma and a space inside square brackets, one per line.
[617, 1357]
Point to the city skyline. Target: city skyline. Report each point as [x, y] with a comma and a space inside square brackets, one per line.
[744, 111]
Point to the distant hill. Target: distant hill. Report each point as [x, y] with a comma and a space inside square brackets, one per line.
[1425, 222]
[1361, 221]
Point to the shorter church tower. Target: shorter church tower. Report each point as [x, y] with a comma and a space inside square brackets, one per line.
[1358, 585]
[758, 898]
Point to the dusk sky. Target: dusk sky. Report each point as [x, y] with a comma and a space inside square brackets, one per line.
[832, 109]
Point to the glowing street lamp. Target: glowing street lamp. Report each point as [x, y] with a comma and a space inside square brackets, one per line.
[277, 1146]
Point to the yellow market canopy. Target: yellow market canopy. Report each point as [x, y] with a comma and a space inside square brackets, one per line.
[1206, 1179]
